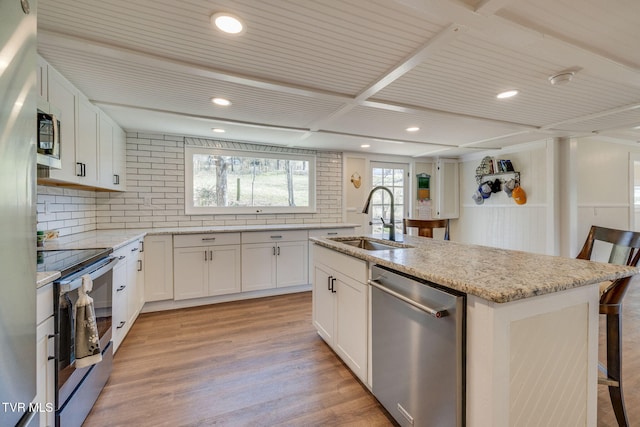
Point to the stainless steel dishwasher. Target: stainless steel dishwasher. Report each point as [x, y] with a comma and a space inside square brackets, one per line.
[418, 344]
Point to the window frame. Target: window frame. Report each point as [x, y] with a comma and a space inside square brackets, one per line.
[190, 209]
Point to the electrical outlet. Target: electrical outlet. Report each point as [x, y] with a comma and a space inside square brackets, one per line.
[147, 201]
[47, 207]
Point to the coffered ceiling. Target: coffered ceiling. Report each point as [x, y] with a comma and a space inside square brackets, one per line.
[338, 74]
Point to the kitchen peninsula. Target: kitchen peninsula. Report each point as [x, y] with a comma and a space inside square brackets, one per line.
[531, 324]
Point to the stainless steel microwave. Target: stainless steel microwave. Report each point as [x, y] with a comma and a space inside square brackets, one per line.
[49, 140]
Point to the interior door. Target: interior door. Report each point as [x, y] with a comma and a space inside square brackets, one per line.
[394, 176]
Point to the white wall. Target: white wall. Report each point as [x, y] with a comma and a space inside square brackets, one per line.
[499, 221]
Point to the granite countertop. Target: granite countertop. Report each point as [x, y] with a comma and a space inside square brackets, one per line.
[117, 238]
[497, 275]
[44, 277]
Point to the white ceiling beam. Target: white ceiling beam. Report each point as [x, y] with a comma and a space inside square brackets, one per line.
[490, 7]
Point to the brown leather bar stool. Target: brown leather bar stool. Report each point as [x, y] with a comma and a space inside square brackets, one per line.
[625, 250]
[425, 226]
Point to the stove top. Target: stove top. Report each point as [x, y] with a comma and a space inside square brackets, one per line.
[68, 261]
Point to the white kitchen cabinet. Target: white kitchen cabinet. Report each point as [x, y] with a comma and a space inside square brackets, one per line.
[206, 265]
[112, 155]
[64, 96]
[127, 300]
[447, 183]
[45, 351]
[274, 259]
[158, 268]
[340, 307]
[87, 143]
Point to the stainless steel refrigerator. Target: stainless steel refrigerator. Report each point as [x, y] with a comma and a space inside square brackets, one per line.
[17, 210]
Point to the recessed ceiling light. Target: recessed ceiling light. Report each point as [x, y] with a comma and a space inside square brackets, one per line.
[221, 101]
[365, 146]
[227, 23]
[218, 130]
[507, 94]
[636, 128]
[413, 129]
[561, 78]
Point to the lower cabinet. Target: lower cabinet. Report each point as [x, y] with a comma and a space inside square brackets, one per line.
[158, 271]
[206, 265]
[128, 295]
[274, 259]
[45, 352]
[340, 306]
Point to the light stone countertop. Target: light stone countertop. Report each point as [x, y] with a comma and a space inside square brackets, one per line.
[497, 275]
[44, 277]
[116, 238]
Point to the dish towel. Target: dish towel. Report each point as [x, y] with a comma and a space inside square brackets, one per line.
[87, 341]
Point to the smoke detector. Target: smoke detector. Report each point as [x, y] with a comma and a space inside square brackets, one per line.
[561, 78]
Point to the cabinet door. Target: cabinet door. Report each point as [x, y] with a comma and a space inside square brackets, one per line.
[64, 96]
[293, 263]
[224, 269]
[350, 341]
[41, 77]
[120, 304]
[45, 372]
[87, 142]
[323, 303]
[258, 266]
[105, 144]
[133, 300]
[191, 272]
[448, 193]
[119, 158]
[158, 268]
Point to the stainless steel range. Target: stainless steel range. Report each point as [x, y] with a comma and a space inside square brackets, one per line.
[78, 389]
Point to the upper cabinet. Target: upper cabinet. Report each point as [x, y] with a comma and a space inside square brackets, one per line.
[92, 145]
[447, 183]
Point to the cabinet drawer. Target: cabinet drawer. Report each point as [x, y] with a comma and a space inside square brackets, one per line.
[44, 303]
[207, 239]
[274, 236]
[331, 232]
[345, 264]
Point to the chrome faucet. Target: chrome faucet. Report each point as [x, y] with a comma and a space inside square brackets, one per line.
[391, 224]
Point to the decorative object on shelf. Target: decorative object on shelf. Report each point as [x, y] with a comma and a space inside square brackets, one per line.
[423, 186]
[519, 196]
[356, 179]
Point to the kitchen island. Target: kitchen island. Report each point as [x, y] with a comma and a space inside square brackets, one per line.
[531, 326]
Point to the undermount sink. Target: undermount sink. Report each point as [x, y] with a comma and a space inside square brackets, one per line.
[372, 244]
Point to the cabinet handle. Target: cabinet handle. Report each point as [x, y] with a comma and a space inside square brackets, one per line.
[332, 233]
[116, 179]
[205, 255]
[121, 288]
[329, 282]
[121, 325]
[278, 250]
[78, 169]
[49, 357]
[135, 249]
[276, 237]
[333, 281]
[142, 246]
[121, 257]
[274, 250]
[204, 239]
[139, 265]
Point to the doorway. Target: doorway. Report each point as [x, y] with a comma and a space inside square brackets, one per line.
[394, 176]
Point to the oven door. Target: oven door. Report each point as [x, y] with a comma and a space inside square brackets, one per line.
[68, 377]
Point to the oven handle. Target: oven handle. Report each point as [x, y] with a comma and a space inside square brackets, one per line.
[68, 286]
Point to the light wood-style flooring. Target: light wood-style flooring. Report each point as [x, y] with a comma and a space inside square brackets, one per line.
[255, 363]
[260, 362]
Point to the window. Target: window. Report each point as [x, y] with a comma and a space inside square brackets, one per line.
[392, 176]
[234, 182]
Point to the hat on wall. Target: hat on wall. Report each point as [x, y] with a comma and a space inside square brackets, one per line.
[508, 186]
[477, 197]
[485, 189]
[519, 196]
